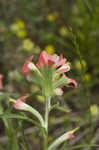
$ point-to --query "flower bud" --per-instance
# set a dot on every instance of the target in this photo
(61, 139)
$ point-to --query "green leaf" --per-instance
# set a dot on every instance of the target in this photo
(63, 109)
(26, 145)
(82, 146)
(11, 133)
(23, 146)
(16, 116)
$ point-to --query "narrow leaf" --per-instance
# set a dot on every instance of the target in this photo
(63, 109)
(16, 116)
(82, 146)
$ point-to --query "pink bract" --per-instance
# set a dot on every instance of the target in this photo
(1, 84)
(25, 70)
(63, 68)
(58, 62)
(18, 104)
(47, 59)
(44, 59)
(73, 83)
(61, 61)
(20, 101)
(70, 135)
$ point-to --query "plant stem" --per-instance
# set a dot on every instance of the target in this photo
(47, 109)
(45, 142)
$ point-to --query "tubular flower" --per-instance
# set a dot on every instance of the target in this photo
(71, 83)
(1, 84)
(19, 103)
(61, 61)
(25, 69)
(64, 68)
(68, 135)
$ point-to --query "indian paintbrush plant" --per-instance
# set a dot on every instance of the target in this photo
(50, 74)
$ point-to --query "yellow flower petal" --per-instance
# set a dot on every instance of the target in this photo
(40, 98)
(21, 33)
(94, 110)
(50, 49)
(63, 31)
(20, 24)
(14, 27)
(51, 17)
(27, 44)
(79, 65)
(87, 77)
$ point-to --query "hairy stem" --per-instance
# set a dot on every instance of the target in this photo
(47, 109)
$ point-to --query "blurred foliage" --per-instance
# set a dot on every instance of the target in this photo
(65, 27)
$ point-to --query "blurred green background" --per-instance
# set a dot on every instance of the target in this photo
(67, 27)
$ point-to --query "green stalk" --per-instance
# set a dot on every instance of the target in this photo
(47, 109)
(11, 134)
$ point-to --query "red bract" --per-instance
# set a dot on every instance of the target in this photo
(61, 61)
(58, 63)
(1, 84)
(47, 59)
(25, 70)
(44, 59)
(71, 83)
(63, 68)
(70, 135)
(20, 101)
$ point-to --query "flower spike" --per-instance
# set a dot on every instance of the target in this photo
(47, 69)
